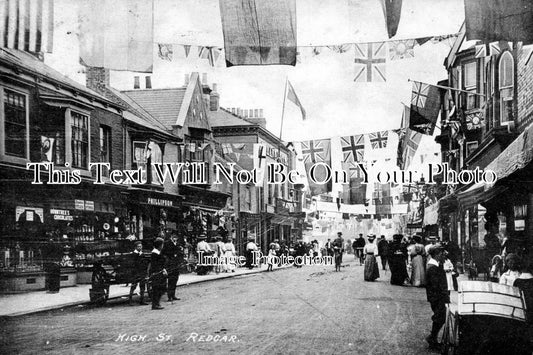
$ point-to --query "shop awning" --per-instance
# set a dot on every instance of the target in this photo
(515, 157)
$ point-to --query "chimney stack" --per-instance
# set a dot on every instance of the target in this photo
(255, 116)
(97, 79)
(214, 99)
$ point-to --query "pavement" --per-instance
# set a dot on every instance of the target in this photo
(39, 301)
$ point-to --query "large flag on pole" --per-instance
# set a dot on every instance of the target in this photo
(499, 20)
(425, 107)
(27, 25)
(291, 95)
(117, 35)
(258, 32)
(317, 151)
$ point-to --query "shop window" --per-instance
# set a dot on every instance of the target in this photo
(15, 124)
(105, 144)
(80, 139)
(506, 87)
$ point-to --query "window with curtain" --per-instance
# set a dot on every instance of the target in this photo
(80, 139)
(470, 84)
(506, 87)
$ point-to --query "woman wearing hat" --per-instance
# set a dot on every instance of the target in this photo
(250, 248)
(397, 261)
(371, 266)
(229, 253)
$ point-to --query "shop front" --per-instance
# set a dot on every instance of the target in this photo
(48, 227)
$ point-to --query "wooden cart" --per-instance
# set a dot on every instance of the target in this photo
(115, 269)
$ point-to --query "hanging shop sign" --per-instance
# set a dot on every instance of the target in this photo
(61, 215)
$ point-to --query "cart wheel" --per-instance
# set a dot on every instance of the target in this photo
(99, 293)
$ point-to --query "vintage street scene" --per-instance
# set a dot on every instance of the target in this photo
(266, 176)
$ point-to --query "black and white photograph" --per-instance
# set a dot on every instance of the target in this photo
(266, 177)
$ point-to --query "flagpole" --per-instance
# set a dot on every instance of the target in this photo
(447, 88)
(283, 110)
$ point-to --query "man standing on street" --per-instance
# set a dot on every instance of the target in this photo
(437, 292)
(173, 251)
(158, 273)
(383, 251)
(338, 247)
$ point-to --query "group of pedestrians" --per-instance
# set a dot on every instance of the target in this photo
(161, 270)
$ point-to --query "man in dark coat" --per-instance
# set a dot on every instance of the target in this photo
(139, 272)
(383, 251)
(338, 247)
(437, 292)
(173, 251)
(358, 246)
(158, 273)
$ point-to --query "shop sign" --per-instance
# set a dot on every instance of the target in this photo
(61, 215)
(84, 205)
(276, 155)
(89, 205)
(159, 202)
(30, 214)
(519, 225)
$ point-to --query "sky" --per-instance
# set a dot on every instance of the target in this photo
(335, 104)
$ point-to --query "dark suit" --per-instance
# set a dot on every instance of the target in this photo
(438, 296)
(174, 255)
(139, 275)
(157, 277)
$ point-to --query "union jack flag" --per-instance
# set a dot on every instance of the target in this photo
(378, 140)
(370, 62)
(315, 151)
(353, 148)
(412, 140)
(420, 94)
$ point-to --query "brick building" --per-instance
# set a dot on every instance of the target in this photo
(487, 126)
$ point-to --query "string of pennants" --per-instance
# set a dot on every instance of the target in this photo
(369, 58)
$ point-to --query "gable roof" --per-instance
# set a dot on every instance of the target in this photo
(162, 104)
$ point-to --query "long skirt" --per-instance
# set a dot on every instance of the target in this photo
(418, 273)
(371, 268)
(398, 269)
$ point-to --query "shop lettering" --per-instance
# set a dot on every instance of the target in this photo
(452, 177)
(159, 202)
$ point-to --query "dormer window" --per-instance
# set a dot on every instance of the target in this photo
(506, 87)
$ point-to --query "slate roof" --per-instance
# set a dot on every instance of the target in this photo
(33, 65)
(224, 118)
(162, 104)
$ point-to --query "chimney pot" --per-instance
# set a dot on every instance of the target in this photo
(261, 113)
(214, 99)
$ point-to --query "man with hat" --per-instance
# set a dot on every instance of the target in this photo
(158, 273)
(338, 249)
(358, 246)
(432, 241)
(139, 273)
(173, 251)
(437, 292)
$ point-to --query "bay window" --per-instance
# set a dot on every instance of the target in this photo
(506, 87)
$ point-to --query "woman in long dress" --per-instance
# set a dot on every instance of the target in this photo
(418, 269)
(229, 254)
(397, 261)
(371, 266)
